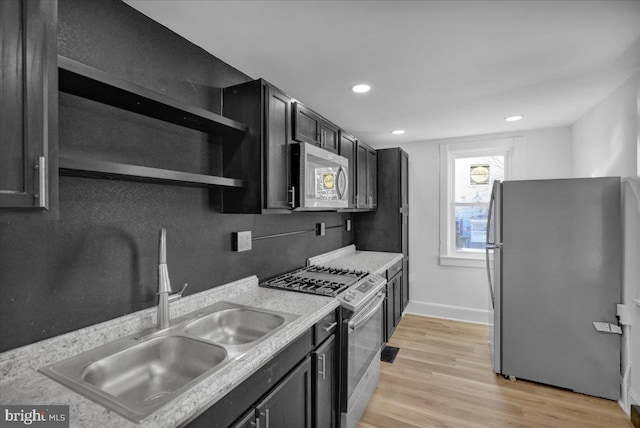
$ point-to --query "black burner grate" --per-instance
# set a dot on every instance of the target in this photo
(316, 280)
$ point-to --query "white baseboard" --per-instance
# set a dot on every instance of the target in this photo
(456, 313)
(633, 398)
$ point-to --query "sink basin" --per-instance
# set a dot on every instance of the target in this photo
(153, 369)
(234, 326)
(136, 375)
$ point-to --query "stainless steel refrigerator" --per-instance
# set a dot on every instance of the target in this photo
(554, 263)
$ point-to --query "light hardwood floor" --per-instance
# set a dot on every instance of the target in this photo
(443, 377)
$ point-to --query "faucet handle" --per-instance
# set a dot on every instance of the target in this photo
(178, 294)
(184, 287)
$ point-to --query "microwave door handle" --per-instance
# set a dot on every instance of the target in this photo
(343, 190)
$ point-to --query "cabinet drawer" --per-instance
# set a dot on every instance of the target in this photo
(393, 270)
(325, 328)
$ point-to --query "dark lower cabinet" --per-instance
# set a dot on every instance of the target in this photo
(394, 305)
(405, 284)
(389, 313)
(248, 421)
(395, 302)
(298, 388)
(288, 405)
(324, 384)
(397, 298)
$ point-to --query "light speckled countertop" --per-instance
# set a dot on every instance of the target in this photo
(350, 258)
(20, 383)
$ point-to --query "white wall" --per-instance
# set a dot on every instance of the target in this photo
(462, 292)
(606, 142)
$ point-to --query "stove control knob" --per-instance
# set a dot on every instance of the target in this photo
(349, 295)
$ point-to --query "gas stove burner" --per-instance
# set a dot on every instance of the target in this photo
(320, 280)
(336, 271)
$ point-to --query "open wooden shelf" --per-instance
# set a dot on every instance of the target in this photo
(87, 82)
(118, 171)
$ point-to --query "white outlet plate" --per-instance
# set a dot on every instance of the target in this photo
(242, 241)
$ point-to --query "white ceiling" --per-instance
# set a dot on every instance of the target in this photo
(438, 68)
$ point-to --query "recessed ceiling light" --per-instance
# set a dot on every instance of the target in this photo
(361, 88)
(398, 132)
(513, 118)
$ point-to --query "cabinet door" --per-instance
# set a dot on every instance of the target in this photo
(348, 150)
(28, 103)
(372, 179)
(397, 298)
(405, 283)
(329, 136)
(361, 176)
(404, 208)
(248, 421)
(324, 402)
(306, 125)
(278, 138)
(289, 404)
(390, 308)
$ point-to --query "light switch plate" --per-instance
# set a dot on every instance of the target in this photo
(242, 241)
(348, 225)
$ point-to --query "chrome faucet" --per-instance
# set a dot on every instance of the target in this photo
(165, 294)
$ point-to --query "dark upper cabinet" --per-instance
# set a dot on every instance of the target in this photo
(366, 181)
(262, 159)
(372, 181)
(348, 150)
(329, 136)
(28, 105)
(310, 127)
(361, 176)
(387, 229)
(306, 125)
(324, 384)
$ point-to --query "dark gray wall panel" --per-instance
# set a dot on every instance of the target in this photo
(98, 261)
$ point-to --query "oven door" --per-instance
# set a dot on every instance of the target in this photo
(364, 341)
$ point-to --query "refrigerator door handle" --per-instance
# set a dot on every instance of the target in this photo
(489, 245)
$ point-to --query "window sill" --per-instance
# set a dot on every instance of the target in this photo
(478, 263)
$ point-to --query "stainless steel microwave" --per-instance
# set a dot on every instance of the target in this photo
(319, 178)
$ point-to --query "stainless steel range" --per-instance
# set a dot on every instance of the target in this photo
(361, 295)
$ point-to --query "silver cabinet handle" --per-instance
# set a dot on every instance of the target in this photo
(292, 191)
(266, 417)
(256, 423)
(41, 196)
(322, 357)
(327, 328)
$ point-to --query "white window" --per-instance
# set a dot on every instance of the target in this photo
(467, 173)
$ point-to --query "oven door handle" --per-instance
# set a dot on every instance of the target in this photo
(356, 323)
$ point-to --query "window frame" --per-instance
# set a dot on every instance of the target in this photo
(449, 152)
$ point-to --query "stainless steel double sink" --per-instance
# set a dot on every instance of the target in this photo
(136, 375)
